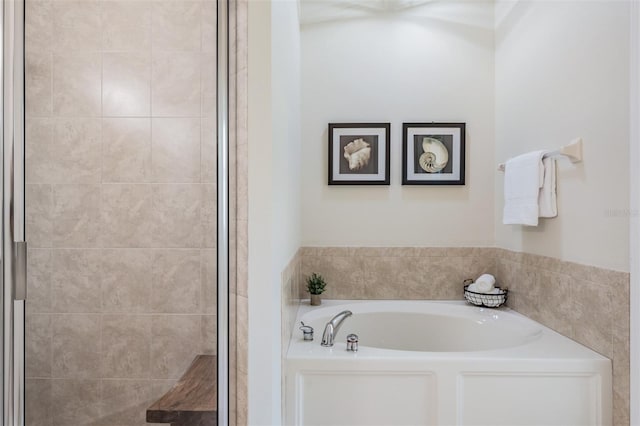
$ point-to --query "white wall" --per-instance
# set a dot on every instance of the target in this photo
(433, 63)
(274, 191)
(562, 71)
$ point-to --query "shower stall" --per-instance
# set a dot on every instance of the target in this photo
(115, 205)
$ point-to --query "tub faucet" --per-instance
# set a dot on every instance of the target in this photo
(331, 329)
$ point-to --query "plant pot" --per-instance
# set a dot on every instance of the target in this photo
(315, 300)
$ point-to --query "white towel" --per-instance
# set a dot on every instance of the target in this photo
(485, 283)
(523, 178)
(547, 202)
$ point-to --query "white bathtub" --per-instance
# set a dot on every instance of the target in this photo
(442, 363)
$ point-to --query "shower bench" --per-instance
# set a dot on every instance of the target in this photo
(192, 401)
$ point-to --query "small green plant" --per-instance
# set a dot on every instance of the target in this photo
(316, 284)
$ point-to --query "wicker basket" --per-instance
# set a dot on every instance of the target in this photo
(484, 299)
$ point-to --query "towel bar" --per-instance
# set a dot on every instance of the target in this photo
(573, 151)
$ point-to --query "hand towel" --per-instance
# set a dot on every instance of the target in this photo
(523, 178)
(547, 202)
(473, 288)
(485, 283)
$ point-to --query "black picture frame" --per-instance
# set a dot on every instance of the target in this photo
(367, 146)
(420, 167)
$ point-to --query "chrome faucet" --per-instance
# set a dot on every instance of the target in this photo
(331, 329)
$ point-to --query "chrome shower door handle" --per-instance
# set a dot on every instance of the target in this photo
(20, 280)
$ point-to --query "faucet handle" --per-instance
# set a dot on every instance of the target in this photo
(307, 331)
(352, 343)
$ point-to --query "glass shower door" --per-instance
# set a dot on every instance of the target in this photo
(120, 189)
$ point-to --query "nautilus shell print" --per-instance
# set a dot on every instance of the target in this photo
(435, 157)
(357, 153)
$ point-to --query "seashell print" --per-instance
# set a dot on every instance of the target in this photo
(357, 153)
(435, 157)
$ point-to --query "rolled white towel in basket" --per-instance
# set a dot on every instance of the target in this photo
(485, 283)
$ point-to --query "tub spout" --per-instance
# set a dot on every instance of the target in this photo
(332, 327)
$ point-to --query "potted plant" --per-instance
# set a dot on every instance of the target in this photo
(315, 287)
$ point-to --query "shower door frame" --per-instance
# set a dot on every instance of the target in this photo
(634, 216)
(14, 249)
(222, 191)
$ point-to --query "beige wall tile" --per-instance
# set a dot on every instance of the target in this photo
(177, 210)
(209, 217)
(176, 25)
(176, 281)
(74, 155)
(39, 204)
(209, 280)
(176, 150)
(126, 25)
(209, 334)
(126, 346)
(38, 27)
(38, 400)
(126, 215)
(208, 76)
(75, 280)
(126, 84)
(77, 84)
(388, 277)
(38, 281)
(521, 281)
(209, 19)
(555, 301)
(38, 83)
(367, 251)
(38, 345)
(126, 280)
(242, 250)
(175, 84)
(76, 213)
(77, 26)
(175, 341)
(242, 344)
(242, 189)
(592, 301)
(345, 276)
(444, 276)
(208, 150)
(124, 402)
(75, 346)
(39, 139)
(126, 150)
(621, 381)
(75, 402)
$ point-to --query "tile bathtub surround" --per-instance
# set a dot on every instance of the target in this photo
(121, 204)
(395, 272)
(586, 303)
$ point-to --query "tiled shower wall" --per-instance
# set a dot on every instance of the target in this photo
(121, 203)
(585, 303)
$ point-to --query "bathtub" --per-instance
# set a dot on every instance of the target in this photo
(441, 363)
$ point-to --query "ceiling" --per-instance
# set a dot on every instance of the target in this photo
(461, 11)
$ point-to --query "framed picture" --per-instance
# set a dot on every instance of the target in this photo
(359, 153)
(433, 153)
